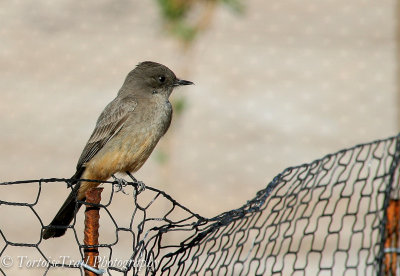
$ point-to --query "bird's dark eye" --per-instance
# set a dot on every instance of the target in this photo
(161, 79)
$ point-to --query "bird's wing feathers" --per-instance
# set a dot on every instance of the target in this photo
(109, 123)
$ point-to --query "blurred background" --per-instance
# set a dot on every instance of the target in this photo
(278, 83)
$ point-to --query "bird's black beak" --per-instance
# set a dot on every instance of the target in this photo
(179, 82)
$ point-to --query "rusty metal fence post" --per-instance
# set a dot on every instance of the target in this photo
(91, 232)
(392, 237)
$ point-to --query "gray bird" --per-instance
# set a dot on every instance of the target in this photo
(126, 133)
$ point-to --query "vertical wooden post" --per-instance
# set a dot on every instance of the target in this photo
(91, 235)
(392, 237)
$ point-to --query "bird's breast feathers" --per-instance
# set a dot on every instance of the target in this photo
(132, 145)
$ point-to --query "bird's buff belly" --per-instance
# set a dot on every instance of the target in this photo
(128, 154)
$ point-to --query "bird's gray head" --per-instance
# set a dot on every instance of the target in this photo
(151, 78)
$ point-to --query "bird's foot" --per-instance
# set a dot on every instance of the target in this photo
(140, 185)
(121, 183)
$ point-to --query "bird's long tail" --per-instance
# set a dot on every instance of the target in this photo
(65, 215)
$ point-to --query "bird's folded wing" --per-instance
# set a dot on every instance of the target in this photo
(109, 123)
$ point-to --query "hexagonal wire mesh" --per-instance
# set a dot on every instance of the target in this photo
(328, 217)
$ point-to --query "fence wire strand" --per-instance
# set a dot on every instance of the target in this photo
(323, 218)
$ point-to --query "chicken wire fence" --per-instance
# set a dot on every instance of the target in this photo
(329, 217)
